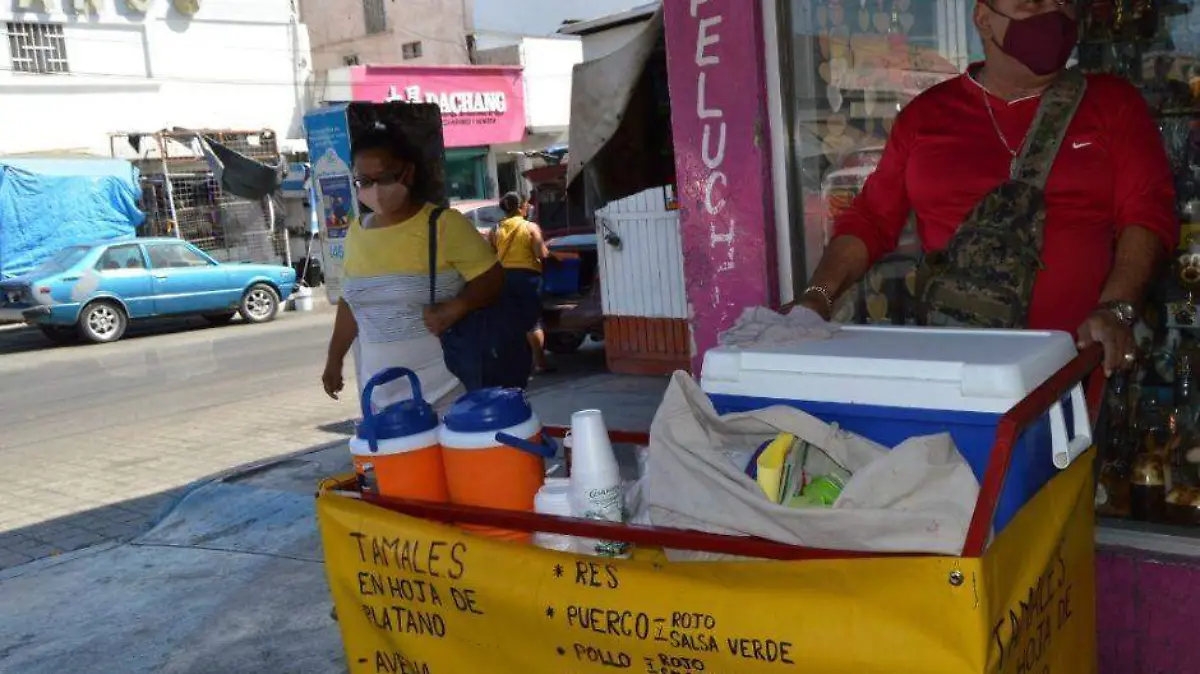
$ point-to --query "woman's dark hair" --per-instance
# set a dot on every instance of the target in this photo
(511, 203)
(384, 139)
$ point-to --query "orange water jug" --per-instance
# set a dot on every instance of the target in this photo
(494, 451)
(396, 450)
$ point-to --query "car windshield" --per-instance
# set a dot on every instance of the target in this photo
(61, 261)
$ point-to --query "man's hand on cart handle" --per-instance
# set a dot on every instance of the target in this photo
(1105, 327)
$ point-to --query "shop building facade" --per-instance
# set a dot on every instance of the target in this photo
(779, 112)
(415, 32)
(492, 114)
(72, 74)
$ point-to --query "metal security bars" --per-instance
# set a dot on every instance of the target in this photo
(182, 197)
(37, 47)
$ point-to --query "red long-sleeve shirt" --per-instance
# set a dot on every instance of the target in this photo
(944, 155)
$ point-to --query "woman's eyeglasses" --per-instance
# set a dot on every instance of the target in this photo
(362, 182)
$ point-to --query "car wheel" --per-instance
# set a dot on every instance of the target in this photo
(260, 304)
(59, 335)
(220, 319)
(102, 322)
(563, 343)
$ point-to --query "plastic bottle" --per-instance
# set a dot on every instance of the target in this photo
(554, 499)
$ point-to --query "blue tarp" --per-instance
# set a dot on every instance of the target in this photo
(48, 205)
(75, 167)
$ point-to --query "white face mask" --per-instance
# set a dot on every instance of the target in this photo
(384, 198)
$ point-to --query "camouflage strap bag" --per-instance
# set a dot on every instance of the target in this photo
(984, 278)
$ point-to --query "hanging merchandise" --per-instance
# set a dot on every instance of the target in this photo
(1151, 461)
(141, 6)
(238, 174)
(188, 7)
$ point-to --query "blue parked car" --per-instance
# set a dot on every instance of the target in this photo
(93, 291)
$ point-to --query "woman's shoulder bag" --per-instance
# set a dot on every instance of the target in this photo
(488, 347)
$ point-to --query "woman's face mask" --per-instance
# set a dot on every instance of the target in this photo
(1042, 42)
(382, 198)
(383, 191)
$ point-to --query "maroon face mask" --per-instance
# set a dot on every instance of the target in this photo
(1042, 42)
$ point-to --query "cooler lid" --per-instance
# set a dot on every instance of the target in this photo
(917, 368)
(399, 420)
(489, 410)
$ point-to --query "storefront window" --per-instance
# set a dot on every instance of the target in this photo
(1151, 457)
(854, 65)
(466, 174)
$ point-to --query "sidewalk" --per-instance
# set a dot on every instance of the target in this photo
(231, 579)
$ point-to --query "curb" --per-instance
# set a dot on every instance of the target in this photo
(238, 471)
(164, 512)
(35, 565)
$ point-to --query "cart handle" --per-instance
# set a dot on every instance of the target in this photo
(640, 535)
(1011, 425)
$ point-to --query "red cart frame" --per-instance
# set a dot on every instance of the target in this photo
(1008, 430)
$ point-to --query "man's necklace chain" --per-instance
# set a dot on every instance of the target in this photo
(987, 103)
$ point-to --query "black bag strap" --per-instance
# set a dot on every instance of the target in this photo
(433, 250)
(1055, 112)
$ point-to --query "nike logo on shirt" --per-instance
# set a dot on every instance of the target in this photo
(1079, 146)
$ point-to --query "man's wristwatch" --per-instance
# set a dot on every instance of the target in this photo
(1124, 311)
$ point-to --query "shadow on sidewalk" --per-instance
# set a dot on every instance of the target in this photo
(229, 580)
(116, 522)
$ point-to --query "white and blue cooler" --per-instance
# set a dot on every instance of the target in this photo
(889, 384)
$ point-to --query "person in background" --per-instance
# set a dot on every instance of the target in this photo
(521, 250)
(384, 311)
(533, 208)
(1109, 200)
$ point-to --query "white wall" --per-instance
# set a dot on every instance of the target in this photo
(546, 65)
(234, 64)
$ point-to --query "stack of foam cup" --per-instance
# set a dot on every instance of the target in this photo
(595, 479)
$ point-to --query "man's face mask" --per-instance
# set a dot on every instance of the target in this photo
(1042, 43)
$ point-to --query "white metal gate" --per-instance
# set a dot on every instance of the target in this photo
(644, 276)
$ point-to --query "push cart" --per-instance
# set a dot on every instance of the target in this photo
(416, 594)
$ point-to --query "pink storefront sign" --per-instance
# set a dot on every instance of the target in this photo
(481, 105)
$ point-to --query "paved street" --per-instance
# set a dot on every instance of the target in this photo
(96, 440)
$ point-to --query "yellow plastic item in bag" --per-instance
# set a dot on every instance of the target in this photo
(771, 465)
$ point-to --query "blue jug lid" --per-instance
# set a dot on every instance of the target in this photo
(399, 420)
(489, 409)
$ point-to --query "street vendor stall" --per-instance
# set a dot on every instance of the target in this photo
(803, 92)
(1002, 592)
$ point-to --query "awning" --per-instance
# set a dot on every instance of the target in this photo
(601, 91)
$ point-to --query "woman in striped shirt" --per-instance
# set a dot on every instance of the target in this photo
(384, 312)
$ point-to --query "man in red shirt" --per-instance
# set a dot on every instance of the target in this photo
(1110, 204)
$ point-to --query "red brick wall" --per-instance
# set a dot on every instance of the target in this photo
(646, 346)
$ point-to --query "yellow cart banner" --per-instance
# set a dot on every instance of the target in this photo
(415, 597)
